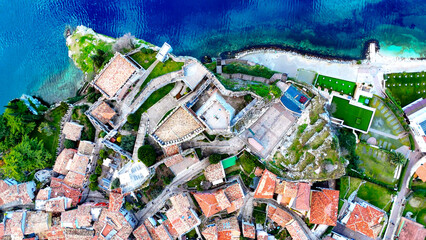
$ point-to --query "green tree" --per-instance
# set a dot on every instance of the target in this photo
(397, 158)
(24, 158)
(93, 178)
(147, 155)
(93, 186)
(215, 158)
(69, 144)
(128, 142)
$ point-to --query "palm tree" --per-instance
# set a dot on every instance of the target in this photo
(397, 158)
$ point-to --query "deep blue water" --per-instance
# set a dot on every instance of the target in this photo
(33, 55)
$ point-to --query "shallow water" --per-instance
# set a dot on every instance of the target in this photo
(33, 55)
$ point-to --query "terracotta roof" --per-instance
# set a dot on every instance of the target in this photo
(214, 172)
(72, 131)
(279, 216)
(230, 198)
(228, 229)
(78, 234)
(266, 186)
(78, 164)
(210, 232)
(180, 124)
(77, 218)
(59, 188)
(279, 186)
(103, 112)
(120, 225)
(365, 220)
(324, 207)
(115, 201)
(75, 179)
(141, 233)
(410, 230)
(208, 203)
(14, 225)
(303, 196)
(162, 233)
(55, 232)
(249, 231)
(421, 172)
(171, 229)
(258, 172)
(15, 193)
(180, 202)
(181, 218)
(290, 190)
(62, 161)
(171, 150)
(43, 194)
(86, 147)
(115, 75)
(57, 204)
(296, 231)
(261, 235)
(37, 222)
(170, 161)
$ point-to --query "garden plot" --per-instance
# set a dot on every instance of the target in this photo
(406, 87)
(416, 207)
(375, 164)
(385, 130)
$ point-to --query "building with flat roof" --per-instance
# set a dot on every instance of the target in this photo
(216, 113)
(162, 54)
(193, 74)
(114, 75)
(351, 114)
(181, 125)
(294, 100)
(416, 113)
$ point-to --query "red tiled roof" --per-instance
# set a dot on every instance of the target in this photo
(279, 216)
(210, 233)
(14, 226)
(59, 188)
(120, 224)
(409, 230)
(62, 161)
(78, 164)
(214, 172)
(208, 203)
(141, 233)
(261, 235)
(296, 231)
(228, 229)
(266, 186)
(43, 194)
(324, 207)
(55, 205)
(14, 193)
(80, 217)
(36, 222)
(258, 172)
(249, 230)
(421, 172)
(115, 201)
(171, 229)
(74, 179)
(162, 233)
(222, 199)
(290, 190)
(175, 159)
(1, 230)
(171, 150)
(72, 131)
(104, 113)
(303, 195)
(365, 220)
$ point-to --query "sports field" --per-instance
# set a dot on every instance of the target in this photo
(352, 116)
(406, 87)
(335, 84)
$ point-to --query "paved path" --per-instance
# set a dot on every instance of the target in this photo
(388, 134)
(157, 112)
(399, 201)
(140, 138)
(171, 189)
(232, 146)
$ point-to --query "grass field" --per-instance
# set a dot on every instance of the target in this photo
(376, 164)
(376, 195)
(54, 120)
(161, 69)
(335, 84)
(256, 70)
(406, 87)
(145, 58)
(416, 204)
(353, 116)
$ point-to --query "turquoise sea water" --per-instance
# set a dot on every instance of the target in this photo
(33, 55)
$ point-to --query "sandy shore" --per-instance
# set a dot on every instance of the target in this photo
(289, 62)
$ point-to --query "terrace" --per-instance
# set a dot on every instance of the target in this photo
(335, 84)
(406, 87)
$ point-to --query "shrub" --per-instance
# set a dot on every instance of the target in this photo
(93, 178)
(215, 158)
(98, 170)
(147, 155)
(128, 142)
(93, 186)
(69, 144)
(302, 128)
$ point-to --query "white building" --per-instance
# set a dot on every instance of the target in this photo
(416, 113)
(162, 54)
(132, 176)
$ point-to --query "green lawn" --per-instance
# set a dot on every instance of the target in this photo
(376, 195)
(152, 99)
(256, 70)
(53, 119)
(145, 57)
(196, 181)
(161, 69)
(259, 213)
(335, 84)
(416, 204)
(376, 164)
(353, 116)
(406, 87)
